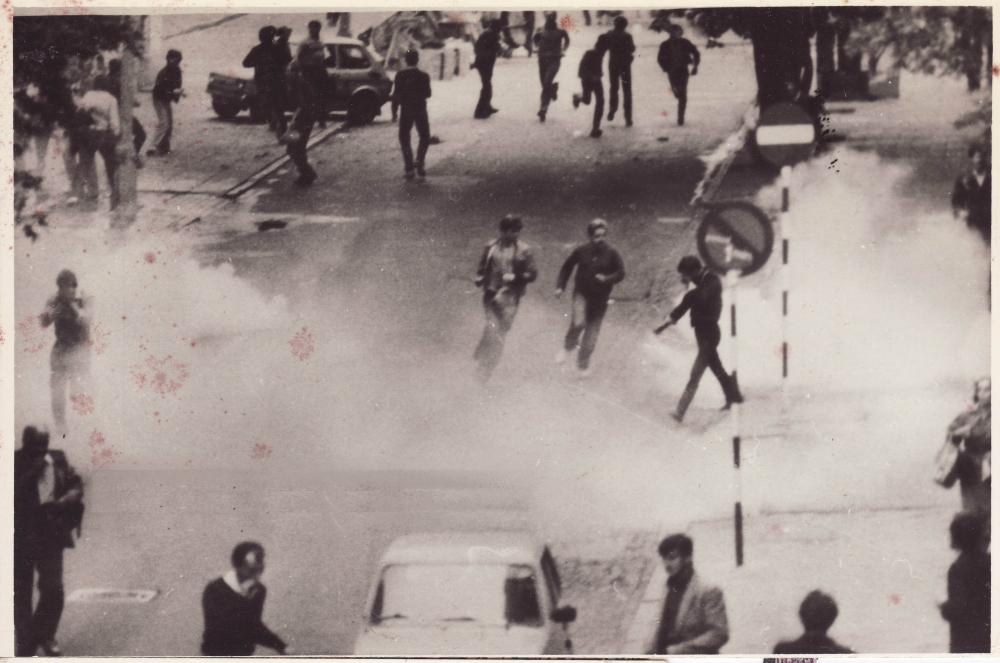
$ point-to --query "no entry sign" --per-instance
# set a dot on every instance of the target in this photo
(785, 134)
(735, 236)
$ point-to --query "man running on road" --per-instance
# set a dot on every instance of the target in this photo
(552, 42)
(674, 57)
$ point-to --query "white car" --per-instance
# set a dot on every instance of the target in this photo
(466, 594)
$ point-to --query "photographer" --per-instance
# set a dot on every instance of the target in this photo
(70, 358)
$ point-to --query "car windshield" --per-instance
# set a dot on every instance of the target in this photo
(496, 594)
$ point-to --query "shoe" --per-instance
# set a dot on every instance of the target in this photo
(576, 101)
(611, 116)
(562, 356)
(583, 373)
(51, 648)
(676, 417)
(628, 123)
(305, 180)
(421, 173)
(408, 174)
(482, 116)
(596, 133)
(494, 110)
(555, 91)
(541, 116)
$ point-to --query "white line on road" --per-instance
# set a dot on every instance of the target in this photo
(673, 220)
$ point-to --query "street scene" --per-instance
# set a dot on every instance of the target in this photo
(630, 332)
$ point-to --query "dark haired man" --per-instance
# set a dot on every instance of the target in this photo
(971, 197)
(704, 302)
(410, 92)
(620, 53)
(311, 57)
(591, 84)
(817, 614)
(263, 58)
(233, 606)
(967, 609)
(694, 612)
(487, 49)
(167, 90)
(70, 357)
(506, 267)
(676, 54)
(551, 41)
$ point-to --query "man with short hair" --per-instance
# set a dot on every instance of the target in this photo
(487, 49)
(817, 614)
(620, 53)
(100, 137)
(167, 90)
(971, 198)
(48, 506)
(410, 92)
(233, 606)
(296, 140)
(551, 42)
(70, 357)
(967, 609)
(506, 267)
(590, 81)
(263, 59)
(694, 619)
(598, 268)
(311, 57)
(676, 54)
(704, 302)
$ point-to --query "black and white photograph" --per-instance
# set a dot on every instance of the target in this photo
(646, 331)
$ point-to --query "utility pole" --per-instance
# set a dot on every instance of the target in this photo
(126, 174)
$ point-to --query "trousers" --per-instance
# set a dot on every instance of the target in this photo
(500, 310)
(407, 120)
(708, 339)
(587, 316)
(548, 68)
(620, 75)
(35, 624)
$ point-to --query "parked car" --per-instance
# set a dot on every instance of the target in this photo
(358, 85)
(475, 594)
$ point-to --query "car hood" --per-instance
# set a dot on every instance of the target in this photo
(450, 640)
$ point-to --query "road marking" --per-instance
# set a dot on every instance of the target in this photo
(673, 220)
(105, 595)
(785, 134)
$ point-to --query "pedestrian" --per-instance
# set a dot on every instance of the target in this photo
(704, 302)
(552, 42)
(410, 92)
(312, 59)
(529, 31)
(968, 444)
(967, 609)
(100, 137)
(48, 507)
(70, 358)
(971, 197)
(508, 40)
(675, 56)
(693, 620)
(592, 85)
(817, 614)
(586, 17)
(598, 268)
(506, 267)
(167, 90)
(115, 87)
(233, 605)
(263, 59)
(296, 139)
(486, 49)
(621, 48)
(282, 58)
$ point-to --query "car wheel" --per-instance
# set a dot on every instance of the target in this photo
(362, 109)
(226, 110)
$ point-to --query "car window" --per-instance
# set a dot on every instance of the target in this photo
(331, 56)
(521, 597)
(352, 57)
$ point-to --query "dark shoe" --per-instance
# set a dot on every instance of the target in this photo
(481, 116)
(494, 110)
(305, 180)
(611, 116)
(576, 101)
(676, 417)
(596, 133)
(628, 123)
(408, 174)
(421, 173)
(51, 648)
(541, 116)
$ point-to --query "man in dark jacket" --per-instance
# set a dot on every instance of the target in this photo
(70, 357)
(675, 56)
(705, 304)
(590, 80)
(506, 267)
(166, 91)
(487, 48)
(967, 609)
(598, 268)
(263, 58)
(233, 606)
(817, 613)
(551, 41)
(296, 139)
(972, 197)
(410, 92)
(48, 506)
(620, 53)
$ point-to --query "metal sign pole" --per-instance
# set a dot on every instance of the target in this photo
(786, 233)
(732, 279)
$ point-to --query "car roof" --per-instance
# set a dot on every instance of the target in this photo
(330, 41)
(488, 547)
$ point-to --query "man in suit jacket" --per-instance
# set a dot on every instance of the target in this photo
(48, 506)
(694, 612)
(971, 197)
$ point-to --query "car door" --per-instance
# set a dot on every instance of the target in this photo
(559, 642)
(353, 66)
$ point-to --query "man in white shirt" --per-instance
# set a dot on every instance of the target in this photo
(101, 136)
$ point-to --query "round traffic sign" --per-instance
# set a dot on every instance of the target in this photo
(735, 236)
(785, 134)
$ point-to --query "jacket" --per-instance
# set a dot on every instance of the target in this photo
(975, 201)
(702, 626)
(812, 643)
(590, 260)
(168, 84)
(487, 48)
(675, 55)
(49, 524)
(621, 47)
(590, 64)
(704, 302)
(233, 623)
(968, 605)
(411, 90)
(264, 58)
(525, 271)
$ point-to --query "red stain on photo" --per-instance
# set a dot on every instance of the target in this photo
(567, 23)
(261, 451)
(82, 404)
(996, 70)
(164, 376)
(302, 344)
(31, 334)
(777, 528)
(102, 454)
(150, 257)
(895, 599)
(98, 339)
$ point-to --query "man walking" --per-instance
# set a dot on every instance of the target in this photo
(312, 60)
(971, 197)
(410, 92)
(100, 137)
(590, 80)
(297, 138)
(621, 48)
(233, 606)
(598, 268)
(705, 304)
(167, 90)
(506, 267)
(694, 619)
(529, 31)
(70, 358)
(552, 42)
(675, 56)
(263, 59)
(487, 48)
(48, 506)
